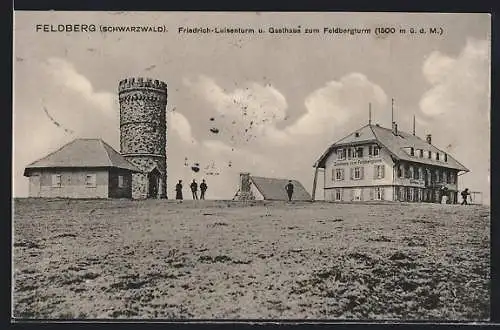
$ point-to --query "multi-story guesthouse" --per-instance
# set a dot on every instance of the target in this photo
(377, 163)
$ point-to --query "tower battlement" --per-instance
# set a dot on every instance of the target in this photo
(141, 83)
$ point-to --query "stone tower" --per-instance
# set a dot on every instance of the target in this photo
(143, 134)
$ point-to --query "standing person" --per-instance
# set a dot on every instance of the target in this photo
(194, 189)
(465, 193)
(203, 188)
(289, 190)
(178, 190)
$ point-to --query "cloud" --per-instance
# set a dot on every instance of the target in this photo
(244, 114)
(457, 109)
(180, 125)
(336, 103)
(65, 74)
(455, 80)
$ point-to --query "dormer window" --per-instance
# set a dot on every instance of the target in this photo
(359, 152)
(376, 150)
(437, 155)
(429, 154)
(421, 153)
(445, 157)
(412, 151)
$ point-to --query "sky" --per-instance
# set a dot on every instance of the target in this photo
(277, 100)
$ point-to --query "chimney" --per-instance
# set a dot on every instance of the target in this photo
(394, 128)
(245, 182)
(428, 138)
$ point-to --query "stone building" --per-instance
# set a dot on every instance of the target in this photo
(143, 134)
(83, 168)
(138, 172)
(377, 163)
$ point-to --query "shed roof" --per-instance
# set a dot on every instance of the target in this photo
(274, 189)
(395, 144)
(83, 153)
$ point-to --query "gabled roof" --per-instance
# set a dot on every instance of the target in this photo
(83, 153)
(274, 189)
(395, 144)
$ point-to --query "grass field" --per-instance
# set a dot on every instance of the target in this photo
(215, 259)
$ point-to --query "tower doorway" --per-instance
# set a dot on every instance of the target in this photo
(154, 183)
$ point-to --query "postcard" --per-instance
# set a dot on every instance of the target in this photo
(251, 166)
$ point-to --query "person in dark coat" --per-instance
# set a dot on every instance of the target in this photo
(203, 188)
(465, 193)
(194, 189)
(178, 190)
(289, 190)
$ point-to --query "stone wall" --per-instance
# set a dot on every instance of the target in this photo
(140, 182)
(143, 131)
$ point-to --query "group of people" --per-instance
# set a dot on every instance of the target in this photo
(194, 189)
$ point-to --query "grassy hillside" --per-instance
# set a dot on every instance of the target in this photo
(160, 259)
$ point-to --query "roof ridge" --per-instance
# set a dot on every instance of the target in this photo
(109, 148)
(53, 152)
(104, 146)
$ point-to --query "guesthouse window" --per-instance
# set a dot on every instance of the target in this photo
(338, 194)
(56, 180)
(339, 174)
(90, 180)
(340, 154)
(379, 171)
(416, 173)
(358, 173)
(359, 152)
